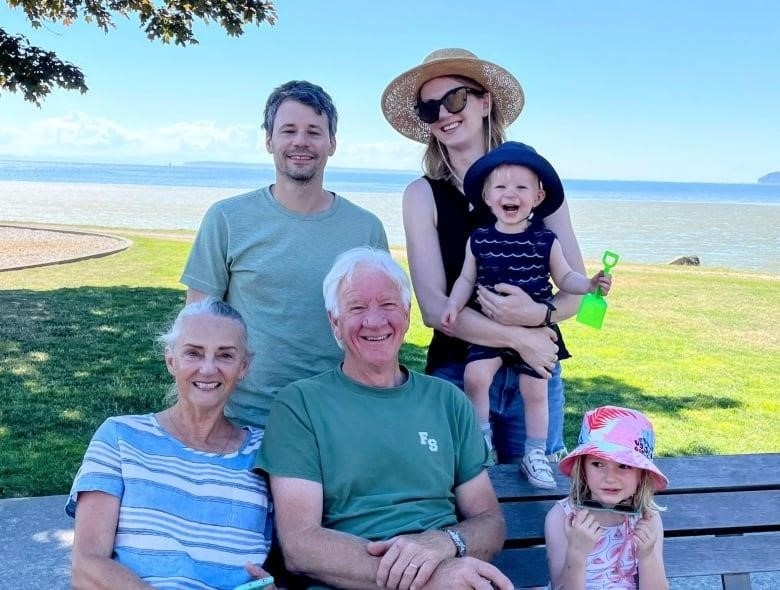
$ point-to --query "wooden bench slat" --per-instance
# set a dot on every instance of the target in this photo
(704, 556)
(683, 557)
(714, 472)
(736, 582)
(699, 513)
(721, 471)
(704, 512)
(525, 567)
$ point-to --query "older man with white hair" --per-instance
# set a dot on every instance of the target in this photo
(372, 464)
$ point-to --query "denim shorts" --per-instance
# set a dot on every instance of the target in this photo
(506, 410)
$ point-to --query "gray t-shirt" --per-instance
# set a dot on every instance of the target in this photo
(269, 262)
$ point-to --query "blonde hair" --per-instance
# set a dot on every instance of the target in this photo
(643, 499)
(436, 162)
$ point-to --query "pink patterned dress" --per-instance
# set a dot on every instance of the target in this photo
(612, 565)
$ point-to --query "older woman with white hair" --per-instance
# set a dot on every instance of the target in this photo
(168, 500)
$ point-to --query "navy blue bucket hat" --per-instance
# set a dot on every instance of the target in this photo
(520, 154)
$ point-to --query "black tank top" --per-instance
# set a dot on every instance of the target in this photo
(455, 222)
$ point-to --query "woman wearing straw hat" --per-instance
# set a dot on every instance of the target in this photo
(459, 106)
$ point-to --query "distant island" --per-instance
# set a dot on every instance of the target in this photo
(771, 178)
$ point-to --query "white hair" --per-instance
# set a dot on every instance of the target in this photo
(347, 263)
(209, 306)
(206, 306)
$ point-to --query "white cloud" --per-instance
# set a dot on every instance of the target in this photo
(384, 155)
(78, 136)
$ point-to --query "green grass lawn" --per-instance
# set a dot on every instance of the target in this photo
(695, 349)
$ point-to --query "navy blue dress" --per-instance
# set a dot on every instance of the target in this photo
(522, 260)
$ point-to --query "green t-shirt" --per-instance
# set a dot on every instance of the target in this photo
(388, 459)
(269, 262)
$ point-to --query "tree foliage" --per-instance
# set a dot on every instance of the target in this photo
(35, 71)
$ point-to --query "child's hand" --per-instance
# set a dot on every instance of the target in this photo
(448, 320)
(601, 280)
(582, 531)
(645, 535)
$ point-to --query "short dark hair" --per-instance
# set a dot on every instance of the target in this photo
(306, 93)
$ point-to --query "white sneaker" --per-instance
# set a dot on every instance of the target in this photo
(537, 468)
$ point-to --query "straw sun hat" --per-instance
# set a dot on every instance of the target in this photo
(400, 96)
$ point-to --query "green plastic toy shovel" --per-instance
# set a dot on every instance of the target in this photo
(594, 307)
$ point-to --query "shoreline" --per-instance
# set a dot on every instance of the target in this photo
(742, 237)
(65, 244)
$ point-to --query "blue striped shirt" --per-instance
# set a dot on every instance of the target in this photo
(188, 519)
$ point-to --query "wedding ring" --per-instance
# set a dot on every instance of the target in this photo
(412, 565)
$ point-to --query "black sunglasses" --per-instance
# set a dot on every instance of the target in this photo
(599, 507)
(454, 101)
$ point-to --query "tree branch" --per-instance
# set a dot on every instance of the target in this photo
(35, 71)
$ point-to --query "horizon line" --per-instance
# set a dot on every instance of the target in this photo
(268, 165)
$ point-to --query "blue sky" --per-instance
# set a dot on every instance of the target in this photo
(615, 89)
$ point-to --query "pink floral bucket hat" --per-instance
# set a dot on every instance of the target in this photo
(617, 434)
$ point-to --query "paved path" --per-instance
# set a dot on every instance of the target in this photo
(36, 538)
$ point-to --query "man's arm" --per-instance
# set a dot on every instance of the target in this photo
(482, 528)
(333, 557)
(206, 270)
(483, 522)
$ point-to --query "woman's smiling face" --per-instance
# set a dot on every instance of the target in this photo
(456, 128)
(207, 359)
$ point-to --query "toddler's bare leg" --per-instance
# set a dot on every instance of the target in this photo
(477, 378)
(534, 392)
(535, 464)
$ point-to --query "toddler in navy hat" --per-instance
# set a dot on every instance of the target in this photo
(513, 180)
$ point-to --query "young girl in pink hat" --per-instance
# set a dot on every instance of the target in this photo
(608, 532)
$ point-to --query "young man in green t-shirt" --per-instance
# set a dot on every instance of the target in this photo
(267, 251)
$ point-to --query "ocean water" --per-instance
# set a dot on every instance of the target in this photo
(726, 225)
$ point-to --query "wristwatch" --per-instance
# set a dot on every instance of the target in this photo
(458, 540)
(548, 316)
